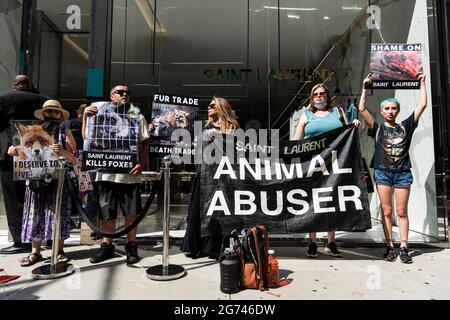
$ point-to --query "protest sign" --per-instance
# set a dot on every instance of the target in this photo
(112, 138)
(395, 65)
(36, 159)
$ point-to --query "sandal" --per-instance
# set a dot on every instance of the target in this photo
(31, 259)
(62, 257)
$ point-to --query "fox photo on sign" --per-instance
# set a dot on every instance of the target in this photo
(112, 135)
(395, 65)
(169, 113)
(35, 159)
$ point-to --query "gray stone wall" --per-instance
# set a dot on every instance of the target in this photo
(10, 27)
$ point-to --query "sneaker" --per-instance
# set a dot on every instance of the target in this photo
(131, 249)
(312, 250)
(390, 254)
(404, 256)
(106, 252)
(332, 250)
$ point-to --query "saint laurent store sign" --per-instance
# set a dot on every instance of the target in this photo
(287, 75)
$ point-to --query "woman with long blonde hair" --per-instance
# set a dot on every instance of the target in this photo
(221, 116)
(220, 119)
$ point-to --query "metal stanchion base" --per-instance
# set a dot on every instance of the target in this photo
(44, 272)
(174, 272)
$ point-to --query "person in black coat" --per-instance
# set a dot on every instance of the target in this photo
(18, 104)
(220, 119)
(75, 126)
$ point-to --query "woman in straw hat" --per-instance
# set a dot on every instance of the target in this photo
(40, 195)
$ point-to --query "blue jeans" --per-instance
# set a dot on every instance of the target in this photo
(394, 179)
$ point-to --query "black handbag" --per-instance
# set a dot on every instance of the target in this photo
(41, 186)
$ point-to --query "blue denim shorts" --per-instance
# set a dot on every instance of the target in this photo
(393, 179)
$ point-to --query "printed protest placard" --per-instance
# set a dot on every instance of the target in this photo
(169, 113)
(395, 65)
(36, 159)
(112, 138)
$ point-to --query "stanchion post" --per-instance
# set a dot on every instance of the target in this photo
(166, 271)
(56, 269)
(166, 219)
(57, 223)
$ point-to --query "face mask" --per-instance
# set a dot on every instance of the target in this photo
(50, 119)
(321, 106)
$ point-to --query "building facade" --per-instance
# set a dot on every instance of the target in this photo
(262, 55)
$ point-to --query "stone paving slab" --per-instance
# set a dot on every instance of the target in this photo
(360, 275)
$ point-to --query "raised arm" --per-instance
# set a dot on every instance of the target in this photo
(300, 131)
(423, 97)
(70, 140)
(89, 111)
(362, 103)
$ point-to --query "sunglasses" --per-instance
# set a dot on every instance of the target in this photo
(122, 92)
(212, 106)
(316, 94)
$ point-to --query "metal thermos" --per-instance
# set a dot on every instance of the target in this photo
(229, 271)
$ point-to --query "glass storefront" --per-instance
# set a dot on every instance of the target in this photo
(263, 56)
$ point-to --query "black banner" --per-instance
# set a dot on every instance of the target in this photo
(315, 185)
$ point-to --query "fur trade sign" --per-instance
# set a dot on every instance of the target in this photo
(314, 185)
(112, 135)
(33, 141)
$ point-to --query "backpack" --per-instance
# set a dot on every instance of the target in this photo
(254, 257)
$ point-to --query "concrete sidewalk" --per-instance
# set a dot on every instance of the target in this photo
(360, 274)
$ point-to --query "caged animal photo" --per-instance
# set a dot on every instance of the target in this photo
(114, 128)
(168, 120)
(33, 143)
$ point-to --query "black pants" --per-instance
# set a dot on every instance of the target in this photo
(13, 195)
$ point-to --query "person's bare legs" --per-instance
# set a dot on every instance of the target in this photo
(131, 235)
(313, 237)
(33, 257)
(385, 194)
(331, 236)
(401, 208)
(36, 246)
(108, 226)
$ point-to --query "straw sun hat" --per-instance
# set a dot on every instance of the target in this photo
(52, 105)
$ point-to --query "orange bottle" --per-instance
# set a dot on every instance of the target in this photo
(273, 274)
